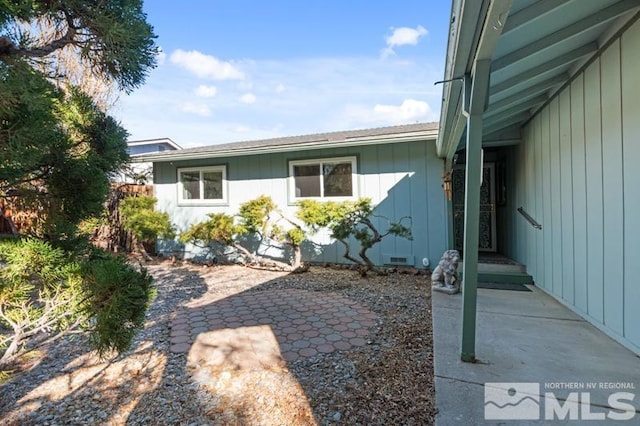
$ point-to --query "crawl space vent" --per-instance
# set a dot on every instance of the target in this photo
(397, 259)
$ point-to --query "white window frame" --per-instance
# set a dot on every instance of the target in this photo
(203, 201)
(354, 178)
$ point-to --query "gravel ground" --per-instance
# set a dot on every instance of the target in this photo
(387, 382)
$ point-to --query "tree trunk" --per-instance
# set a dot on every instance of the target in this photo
(247, 254)
(270, 263)
(368, 264)
(142, 251)
(363, 249)
(297, 257)
(298, 266)
(347, 253)
(14, 347)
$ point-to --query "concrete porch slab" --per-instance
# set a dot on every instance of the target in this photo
(527, 337)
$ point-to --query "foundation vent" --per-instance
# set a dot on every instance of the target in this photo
(398, 259)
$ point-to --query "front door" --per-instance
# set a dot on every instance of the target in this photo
(487, 237)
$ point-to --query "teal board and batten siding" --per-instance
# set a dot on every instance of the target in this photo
(402, 179)
(577, 172)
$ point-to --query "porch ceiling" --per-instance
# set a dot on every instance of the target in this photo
(543, 44)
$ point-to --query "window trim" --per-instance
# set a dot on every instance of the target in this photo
(202, 201)
(354, 178)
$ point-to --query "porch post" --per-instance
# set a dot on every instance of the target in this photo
(473, 58)
(471, 236)
(475, 96)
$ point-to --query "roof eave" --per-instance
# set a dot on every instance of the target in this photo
(167, 141)
(425, 135)
(465, 15)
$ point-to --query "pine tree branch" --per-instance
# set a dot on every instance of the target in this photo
(8, 48)
(4, 316)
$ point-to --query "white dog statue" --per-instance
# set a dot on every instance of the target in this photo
(445, 277)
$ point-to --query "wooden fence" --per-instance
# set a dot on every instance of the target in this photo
(6, 222)
(109, 235)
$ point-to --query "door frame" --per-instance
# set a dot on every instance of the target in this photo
(491, 166)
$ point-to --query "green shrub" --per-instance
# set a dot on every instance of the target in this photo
(117, 299)
(260, 217)
(139, 218)
(220, 229)
(351, 219)
(47, 291)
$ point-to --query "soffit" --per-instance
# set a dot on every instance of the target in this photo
(543, 45)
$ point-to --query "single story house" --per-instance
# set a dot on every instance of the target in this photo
(397, 167)
(535, 158)
(546, 96)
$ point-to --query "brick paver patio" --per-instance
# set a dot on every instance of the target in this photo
(268, 326)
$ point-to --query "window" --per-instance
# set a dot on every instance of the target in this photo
(205, 185)
(330, 178)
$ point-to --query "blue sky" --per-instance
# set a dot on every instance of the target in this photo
(244, 70)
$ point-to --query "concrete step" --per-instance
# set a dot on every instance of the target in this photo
(503, 277)
(500, 268)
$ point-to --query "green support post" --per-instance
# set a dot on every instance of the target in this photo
(471, 231)
(475, 100)
(476, 91)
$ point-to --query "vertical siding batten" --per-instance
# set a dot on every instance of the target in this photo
(538, 172)
(566, 190)
(419, 206)
(386, 208)
(401, 194)
(579, 195)
(530, 205)
(594, 193)
(630, 67)
(437, 236)
(521, 200)
(547, 229)
(612, 184)
(556, 216)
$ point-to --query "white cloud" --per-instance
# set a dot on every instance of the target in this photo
(248, 98)
(205, 66)
(321, 94)
(197, 109)
(280, 88)
(409, 111)
(206, 91)
(403, 36)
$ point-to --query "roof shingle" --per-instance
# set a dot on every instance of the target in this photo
(302, 140)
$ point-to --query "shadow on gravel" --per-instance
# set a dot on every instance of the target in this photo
(323, 347)
(224, 345)
(87, 390)
(320, 348)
